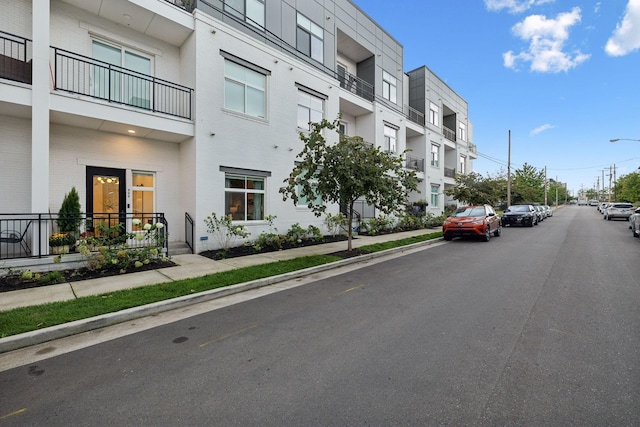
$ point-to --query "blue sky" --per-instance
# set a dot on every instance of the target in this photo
(562, 75)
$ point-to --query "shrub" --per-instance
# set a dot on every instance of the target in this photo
(69, 215)
(335, 223)
(223, 230)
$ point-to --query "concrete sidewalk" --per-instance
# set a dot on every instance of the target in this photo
(188, 266)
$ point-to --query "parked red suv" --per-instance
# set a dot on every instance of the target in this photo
(477, 221)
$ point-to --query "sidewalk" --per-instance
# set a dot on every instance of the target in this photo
(188, 266)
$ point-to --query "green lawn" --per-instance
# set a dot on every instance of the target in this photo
(31, 318)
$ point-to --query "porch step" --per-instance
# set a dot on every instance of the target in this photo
(178, 248)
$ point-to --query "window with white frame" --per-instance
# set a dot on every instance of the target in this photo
(435, 188)
(435, 155)
(250, 11)
(310, 38)
(463, 165)
(434, 114)
(462, 131)
(390, 138)
(245, 89)
(389, 87)
(244, 197)
(343, 128)
(310, 109)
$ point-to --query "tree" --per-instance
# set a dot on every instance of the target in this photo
(345, 172)
(69, 215)
(627, 188)
(528, 185)
(474, 189)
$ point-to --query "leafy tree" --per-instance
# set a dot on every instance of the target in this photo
(628, 188)
(345, 172)
(527, 185)
(474, 189)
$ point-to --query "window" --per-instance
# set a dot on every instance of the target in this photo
(244, 89)
(128, 82)
(310, 109)
(244, 197)
(250, 11)
(463, 165)
(342, 127)
(434, 195)
(310, 38)
(389, 87)
(462, 132)
(390, 138)
(303, 201)
(143, 204)
(434, 114)
(435, 155)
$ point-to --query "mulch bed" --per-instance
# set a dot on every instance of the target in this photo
(15, 282)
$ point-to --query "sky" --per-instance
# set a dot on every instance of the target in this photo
(561, 77)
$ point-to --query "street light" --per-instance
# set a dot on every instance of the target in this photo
(623, 139)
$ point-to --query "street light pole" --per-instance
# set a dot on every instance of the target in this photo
(623, 139)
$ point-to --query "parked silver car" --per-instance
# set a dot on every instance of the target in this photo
(618, 210)
(634, 222)
(548, 210)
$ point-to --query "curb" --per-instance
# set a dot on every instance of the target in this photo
(15, 342)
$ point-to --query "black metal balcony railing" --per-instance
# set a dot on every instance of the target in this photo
(449, 134)
(414, 115)
(15, 58)
(449, 172)
(415, 163)
(187, 5)
(82, 75)
(355, 84)
(26, 235)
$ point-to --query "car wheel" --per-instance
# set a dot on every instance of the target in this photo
(447, 237)
(635, 233)
(530, 223)
(608, 218)
(498, 231)
(487, 235)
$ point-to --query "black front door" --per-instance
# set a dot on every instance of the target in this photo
(106, 195)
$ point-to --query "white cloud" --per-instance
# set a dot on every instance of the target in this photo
(546, 39)
(513, 6)
(541, 129)
(626, 37)
(596, 8)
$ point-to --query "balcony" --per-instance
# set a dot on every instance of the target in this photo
(81, 75)
(355, 85)
(449, 134)
(414, 115)
(415, 163)
(449, 172)
(15, 58)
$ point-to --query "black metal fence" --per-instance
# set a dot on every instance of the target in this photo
(27, 235)
(82, 75)
(15, 57)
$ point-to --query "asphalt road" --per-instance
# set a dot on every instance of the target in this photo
(538, 327)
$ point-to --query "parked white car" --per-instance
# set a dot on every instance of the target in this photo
(618, 210)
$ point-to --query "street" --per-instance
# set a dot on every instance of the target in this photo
(537, 327)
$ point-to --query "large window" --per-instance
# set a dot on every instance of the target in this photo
(310, 38)
(435, 155)
(310, 109)
(463, 165)
(244, 89)
(303, 201)
(128, 82)
(244, 197)
(434, 195)
(250, 11)
(462, 131)
(389, 87)
(390, 139)
(434, 114)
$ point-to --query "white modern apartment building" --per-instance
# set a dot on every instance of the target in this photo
(181, 108)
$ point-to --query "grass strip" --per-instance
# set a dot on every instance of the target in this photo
(25, 319)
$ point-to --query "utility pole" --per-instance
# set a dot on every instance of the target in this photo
(545, 186)
(610, 175)
(556, 191)
(509, 172)
(615, 192)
